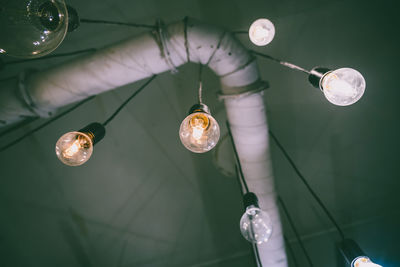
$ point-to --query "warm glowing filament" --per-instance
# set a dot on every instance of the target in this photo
(73, 149)
(199, 123)
(197, 132)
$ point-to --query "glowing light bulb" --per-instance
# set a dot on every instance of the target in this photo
(364, 262)
(261, 32)
(255, 224)
(75, 148)
(199, 131)
(32, 28)
(343, 86)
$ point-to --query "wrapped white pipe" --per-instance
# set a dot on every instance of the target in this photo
(41, 93)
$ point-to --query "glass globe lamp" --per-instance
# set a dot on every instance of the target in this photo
(261, 32)
(76, 148)
(364, 262)
(342, 87)
(32, 28)
(199, 131)
(255, 224)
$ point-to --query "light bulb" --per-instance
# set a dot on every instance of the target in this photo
(343, 86)
(364, 262)
(32, 28)
(255, 224)
(261, 32)
(199, 131)
(75, 148)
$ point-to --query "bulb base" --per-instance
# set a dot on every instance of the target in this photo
(95, 130)
(350, 251)
(199, 108)
(73, 19)
(250, 199)
(316, 75)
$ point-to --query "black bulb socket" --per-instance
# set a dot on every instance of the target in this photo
(96, 131)
(350, 250)
(250, 199)
(316, 75)
(199, 108)
(73, 19)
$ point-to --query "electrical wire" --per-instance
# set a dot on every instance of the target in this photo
(240, 32)
(16, 141)
(129, 99)
(291, 252)
(285, 210)
(52, 56)
(284, 63)
(18, 126)
(137, 25)
(300, 175)
(200, 84)
(237, 158)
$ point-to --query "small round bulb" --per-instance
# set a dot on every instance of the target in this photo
(343, 86)
(32, 28)
(364, 262)
(74, 148)
(256, 225)
(199, 132)
(261, 32)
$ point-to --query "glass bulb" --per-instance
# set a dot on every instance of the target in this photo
(32, 28)
(364, 262)
(256, 225)
(343, 86)
(74, 148)
(199, 132)
(261, 32)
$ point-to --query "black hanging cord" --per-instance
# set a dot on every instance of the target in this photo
(18, 126)
(16, 141)
(284, 63)
(291, 252)
(257, 255)
(237, 158)
(52, 56)
(200, 83)
(137, 25)
(240, 32)
(129, 99)
(300, 175)
(280, 201)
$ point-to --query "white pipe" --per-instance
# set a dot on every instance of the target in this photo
(136, 58)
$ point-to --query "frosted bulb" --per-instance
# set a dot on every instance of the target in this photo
(32, 28)
(343, 86)
(199, 132)
(261, 32)
(256, 225)
(74, 148)
(364, 262)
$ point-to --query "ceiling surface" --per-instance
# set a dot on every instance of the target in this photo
(144, 200)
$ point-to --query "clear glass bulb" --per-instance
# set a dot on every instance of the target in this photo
(74, 148)
(261, 32)
(32, 28)
(343, 86)
(364, 262)
(256, 225)
(199, 132)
